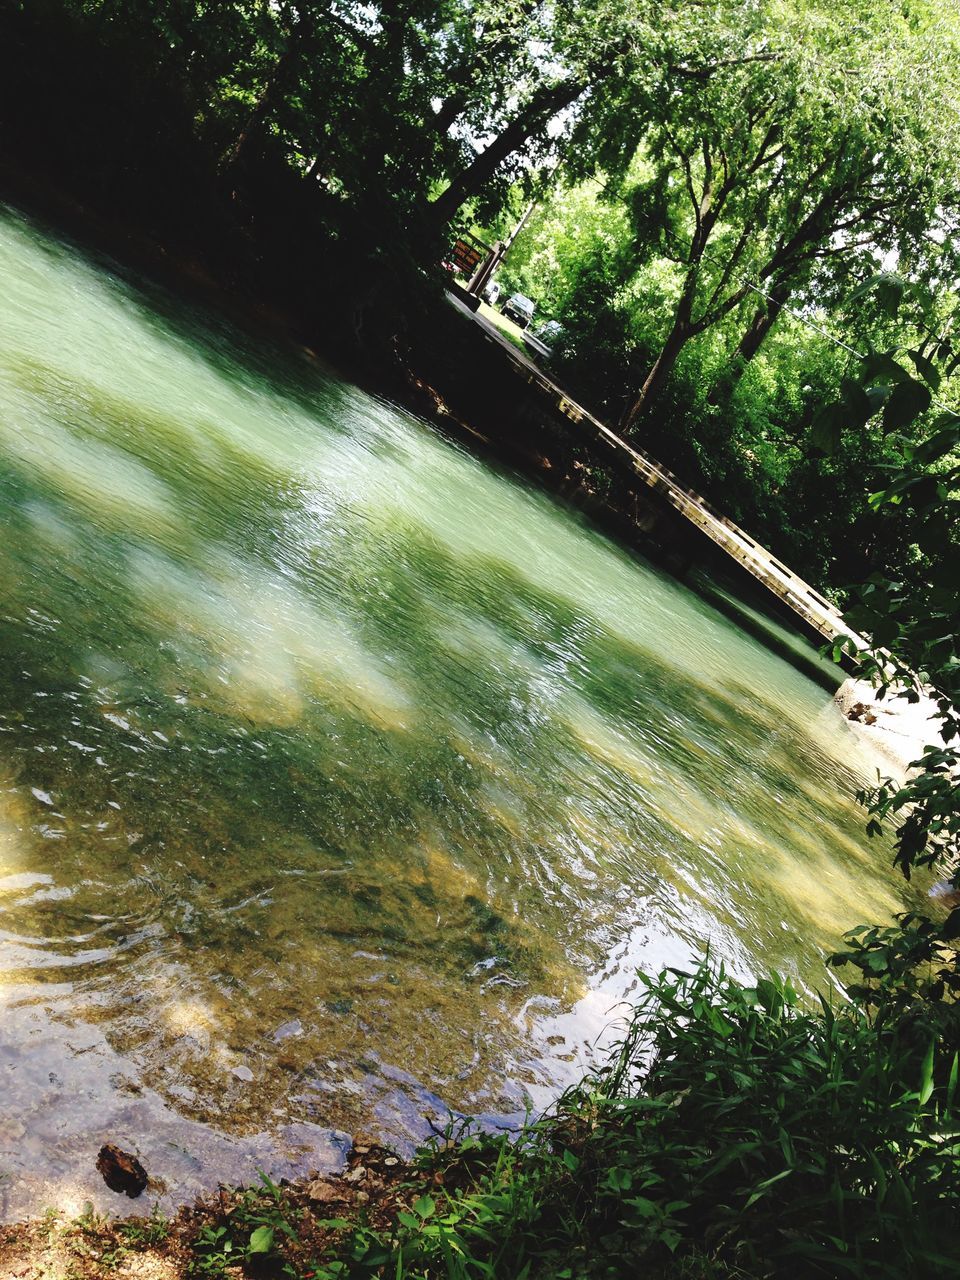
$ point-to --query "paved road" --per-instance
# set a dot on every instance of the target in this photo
(491, 330)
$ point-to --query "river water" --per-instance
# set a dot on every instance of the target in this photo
(343, 780)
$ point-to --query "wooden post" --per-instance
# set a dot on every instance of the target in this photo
(486, 268)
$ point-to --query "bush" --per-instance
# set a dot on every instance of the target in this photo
(734, 1133)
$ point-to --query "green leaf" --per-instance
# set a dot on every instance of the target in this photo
(881, 364)
(763, 1187)
(827, 426)
(926, 369)
(645, 1207)
(939, 444)
(671, 1239)
(890, 291)
(879, 1176)
(425, 1206)
(261, 1241)
(767, 996)
(858, 404)
(620, 1179)
(907, 401)
(926, 1076)
(877, 396)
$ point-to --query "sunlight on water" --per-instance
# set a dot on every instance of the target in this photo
(343, 780)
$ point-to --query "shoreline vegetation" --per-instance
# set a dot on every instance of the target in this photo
(733, 1133)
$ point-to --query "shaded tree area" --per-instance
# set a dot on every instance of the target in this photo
(753, 451)
(101, 115)
(710, 259)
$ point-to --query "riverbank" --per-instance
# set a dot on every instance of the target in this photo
(701, 1151)
(896, 727)
(298, 1222)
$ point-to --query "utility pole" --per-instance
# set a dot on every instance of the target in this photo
(502, 247)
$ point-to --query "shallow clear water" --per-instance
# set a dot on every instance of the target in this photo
(342, 779)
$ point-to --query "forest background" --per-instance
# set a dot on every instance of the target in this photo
(733, 199)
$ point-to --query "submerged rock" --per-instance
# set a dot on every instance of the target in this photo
(122, 1172)
(292, 1028)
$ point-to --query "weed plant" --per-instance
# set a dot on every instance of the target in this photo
(735, 1132)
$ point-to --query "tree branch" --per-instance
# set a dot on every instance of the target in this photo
(705, 72)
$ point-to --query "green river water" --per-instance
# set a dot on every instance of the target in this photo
(342, 779)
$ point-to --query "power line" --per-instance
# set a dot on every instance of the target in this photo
(798, 315)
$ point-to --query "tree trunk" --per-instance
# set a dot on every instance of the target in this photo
(661, 370)
(753, 338)
(450, 110)
(763, 322)
(269, 98)
(469, 182)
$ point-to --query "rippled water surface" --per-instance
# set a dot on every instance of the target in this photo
(343, 780)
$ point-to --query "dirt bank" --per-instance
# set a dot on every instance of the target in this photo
(267, 1230)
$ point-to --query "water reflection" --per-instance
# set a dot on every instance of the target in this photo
(341, 779)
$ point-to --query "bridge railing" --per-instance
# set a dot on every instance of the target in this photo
(804, 600)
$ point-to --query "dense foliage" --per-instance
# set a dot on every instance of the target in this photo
(733, 1134)
(751, 442)
(912, 968)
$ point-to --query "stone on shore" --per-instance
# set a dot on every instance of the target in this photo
(897, 728)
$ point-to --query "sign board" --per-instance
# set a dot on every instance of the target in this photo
(466, 257)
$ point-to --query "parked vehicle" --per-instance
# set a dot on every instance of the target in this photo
(519, 309)
(549, 333)
(491, 292)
